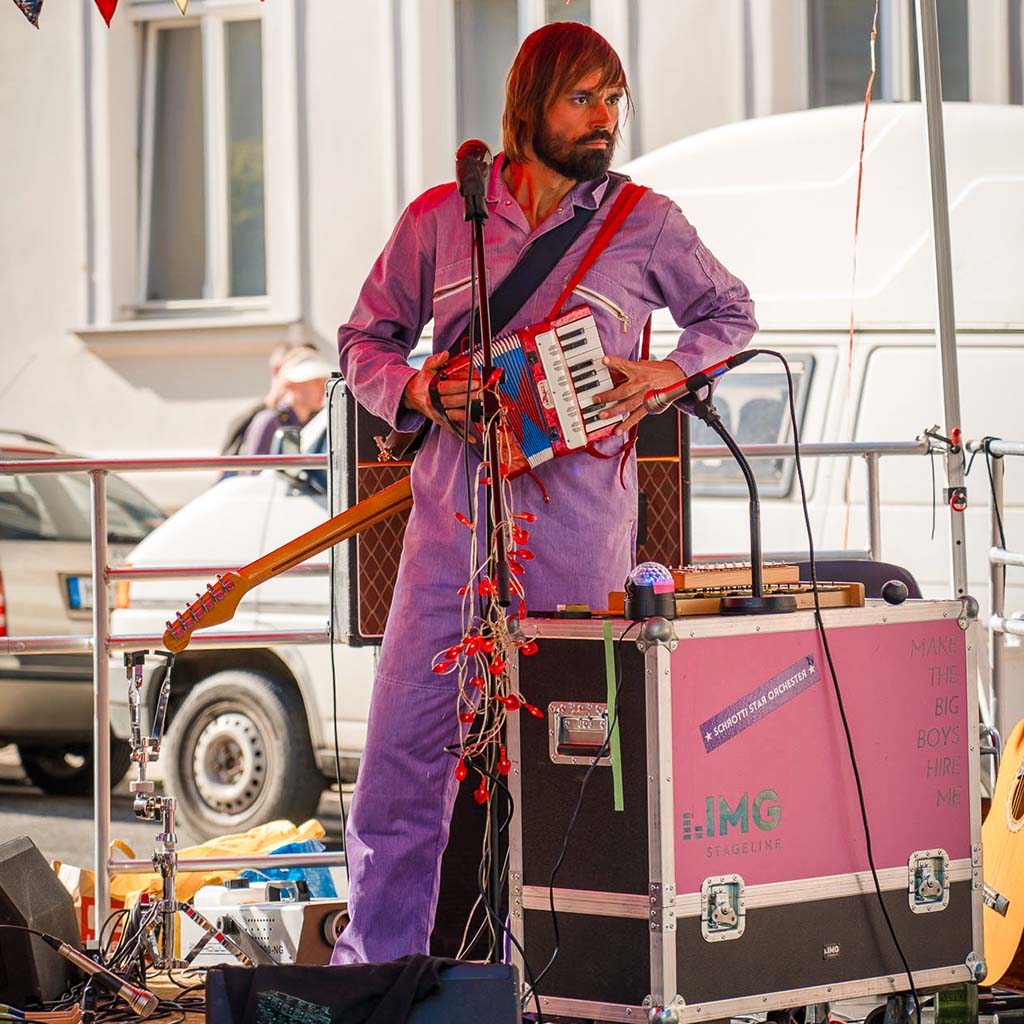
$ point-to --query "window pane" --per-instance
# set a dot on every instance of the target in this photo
(177, 232)
(953, 57)
(245, 157)
(59, 507)
(1016, 63)
(559, 10)
(753, 403)
(485, 45)
(839, 47)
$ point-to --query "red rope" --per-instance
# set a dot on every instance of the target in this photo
(856, 232)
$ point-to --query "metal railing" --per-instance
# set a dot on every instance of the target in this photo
(101, 650)
(999, 558)
(98, 470)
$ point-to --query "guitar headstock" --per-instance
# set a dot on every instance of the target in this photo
(211, 608)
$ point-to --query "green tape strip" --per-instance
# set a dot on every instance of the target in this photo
(613, 746)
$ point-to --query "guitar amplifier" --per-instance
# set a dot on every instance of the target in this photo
(717, 864)
(366, 565)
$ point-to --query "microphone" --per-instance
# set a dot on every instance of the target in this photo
(472, 163)
(659, 399)
(139, 999)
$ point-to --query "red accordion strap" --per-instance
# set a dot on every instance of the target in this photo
(629, 195)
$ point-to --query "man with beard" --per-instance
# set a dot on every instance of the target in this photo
(560, 125)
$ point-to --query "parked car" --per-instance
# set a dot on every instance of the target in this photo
(46, 700)
(251, 731)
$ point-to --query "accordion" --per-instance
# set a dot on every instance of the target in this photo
(550, 373)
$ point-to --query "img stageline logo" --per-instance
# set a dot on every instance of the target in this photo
(723, 818)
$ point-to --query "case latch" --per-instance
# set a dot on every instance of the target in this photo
(928, 881)
(723, 911)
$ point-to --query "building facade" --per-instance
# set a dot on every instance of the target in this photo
(184, 193)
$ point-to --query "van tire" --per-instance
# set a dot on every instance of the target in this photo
(68, 770)
(238, 754)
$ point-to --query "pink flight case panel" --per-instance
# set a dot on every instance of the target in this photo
(743, 883)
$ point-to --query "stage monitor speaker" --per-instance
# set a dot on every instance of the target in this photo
(32, 896)
(366, 565)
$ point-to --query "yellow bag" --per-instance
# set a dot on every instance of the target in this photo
(126, 888)
(81, 883)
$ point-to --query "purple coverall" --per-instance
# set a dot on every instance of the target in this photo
(583, 541)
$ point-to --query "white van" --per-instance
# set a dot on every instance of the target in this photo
(774, 198)
(252, 730)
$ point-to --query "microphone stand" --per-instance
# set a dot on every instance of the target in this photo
(758, 603)
(476, 212)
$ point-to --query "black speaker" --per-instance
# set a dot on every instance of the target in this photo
(292, 993)
(32, 896)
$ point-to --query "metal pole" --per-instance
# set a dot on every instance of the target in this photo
(100, 694)
(997, 592)
(931, 93)
(874, 509)
(685, 489)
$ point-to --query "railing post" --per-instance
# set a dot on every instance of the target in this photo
(874, 508)
(100, 693)
(997, 596)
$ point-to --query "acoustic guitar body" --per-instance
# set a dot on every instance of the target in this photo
(1002, 842)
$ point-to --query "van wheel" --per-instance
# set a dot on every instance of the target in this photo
(238, 754)
(67, 770)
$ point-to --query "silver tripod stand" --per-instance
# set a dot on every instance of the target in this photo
(154, 923)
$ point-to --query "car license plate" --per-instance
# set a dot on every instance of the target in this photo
(80, 592)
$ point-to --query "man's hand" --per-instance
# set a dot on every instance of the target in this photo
(628, 398)
(452, 392)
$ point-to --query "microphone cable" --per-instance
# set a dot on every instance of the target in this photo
(820, 625)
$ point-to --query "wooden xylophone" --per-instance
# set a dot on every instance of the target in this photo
(699, 589)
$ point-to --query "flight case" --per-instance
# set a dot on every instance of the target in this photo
(731, 874)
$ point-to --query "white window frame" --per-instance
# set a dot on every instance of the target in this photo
(212, 22)
(116, 318)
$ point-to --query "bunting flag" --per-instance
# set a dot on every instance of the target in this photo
(31, 9)
(107, 8)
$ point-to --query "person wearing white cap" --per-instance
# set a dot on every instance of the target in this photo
(303, 375)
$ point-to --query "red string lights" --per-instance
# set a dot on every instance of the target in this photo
(481, 659)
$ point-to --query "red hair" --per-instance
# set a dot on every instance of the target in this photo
(549, 63)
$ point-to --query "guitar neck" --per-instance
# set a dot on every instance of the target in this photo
(391, 500)
(221, 599)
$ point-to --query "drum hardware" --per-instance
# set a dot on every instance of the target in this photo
(153, 923)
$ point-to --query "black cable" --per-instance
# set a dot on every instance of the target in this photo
(931, 463)
(986, 447)
(612, 724)
(819, 623)
(113, 1009)
(331, 596)
(101, 939)
(502, 927)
